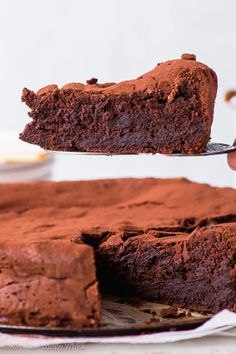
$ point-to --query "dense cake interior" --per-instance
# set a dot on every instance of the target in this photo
(128, 122)
(192, 266)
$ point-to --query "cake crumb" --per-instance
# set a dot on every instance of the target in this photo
(92, 81)
(187, 56)
(152, 320)
(169, 312)
(174, 312)
(188, 313)
(149, 311)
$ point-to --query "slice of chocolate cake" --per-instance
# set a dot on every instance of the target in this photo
(167, 110)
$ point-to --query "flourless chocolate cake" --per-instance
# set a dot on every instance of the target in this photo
(168, 240)
(167, 110)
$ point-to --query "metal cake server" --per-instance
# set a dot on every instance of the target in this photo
(211, 149)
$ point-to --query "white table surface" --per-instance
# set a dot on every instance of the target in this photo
(210, 345)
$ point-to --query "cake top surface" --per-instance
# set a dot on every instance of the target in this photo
(39, 211)
(163, 76)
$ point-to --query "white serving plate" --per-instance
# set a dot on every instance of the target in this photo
(20, 161)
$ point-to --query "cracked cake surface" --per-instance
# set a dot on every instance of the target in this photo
(167, 110)
(170, 240)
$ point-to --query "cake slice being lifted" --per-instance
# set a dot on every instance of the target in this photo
(167, 110)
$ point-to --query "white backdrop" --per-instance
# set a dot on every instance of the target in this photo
(60, 41)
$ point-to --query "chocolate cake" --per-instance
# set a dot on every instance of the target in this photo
(47, 283)
(170, 240)
(167, 110)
